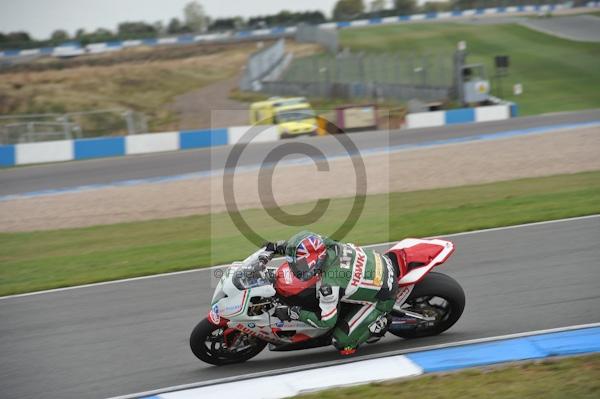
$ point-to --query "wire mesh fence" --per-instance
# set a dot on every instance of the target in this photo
(392, 76)
(16, 129)
(424, 70)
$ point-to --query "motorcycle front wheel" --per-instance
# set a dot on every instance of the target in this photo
(222, 345)
(437, 296)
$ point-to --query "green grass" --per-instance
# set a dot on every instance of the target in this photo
(50, 259)
(557, 74)
(576, 377)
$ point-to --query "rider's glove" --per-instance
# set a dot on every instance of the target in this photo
(295, 312)
(285, 313)
(276, 247)
(264, 258)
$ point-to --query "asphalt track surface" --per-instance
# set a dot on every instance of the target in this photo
(59, 176)
(584, 28)
(132, 336)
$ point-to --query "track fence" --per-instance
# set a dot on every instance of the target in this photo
(348, 75)
(29, 128)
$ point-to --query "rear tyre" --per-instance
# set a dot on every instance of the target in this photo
(422, 300)
(207, 342)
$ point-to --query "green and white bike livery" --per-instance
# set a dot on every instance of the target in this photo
(241, 320)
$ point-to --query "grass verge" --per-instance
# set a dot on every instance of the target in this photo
(51, 259)
(557, 74)
(576, 377)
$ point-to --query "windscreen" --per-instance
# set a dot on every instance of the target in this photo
(296, 115)
(249, 274)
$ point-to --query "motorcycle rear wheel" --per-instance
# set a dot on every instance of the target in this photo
(434, 285)
(206, 332)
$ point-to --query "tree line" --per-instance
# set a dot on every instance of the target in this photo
(195, 20)
(347, 10)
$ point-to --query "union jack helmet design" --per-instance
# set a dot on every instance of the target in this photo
(305, 254)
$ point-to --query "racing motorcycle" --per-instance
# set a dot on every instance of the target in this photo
(241, 320)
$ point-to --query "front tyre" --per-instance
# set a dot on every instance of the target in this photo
(438, 296)
(222, 345)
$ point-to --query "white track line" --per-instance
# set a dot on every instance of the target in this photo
(355, 359)
(226, 265)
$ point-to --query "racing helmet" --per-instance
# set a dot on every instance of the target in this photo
(306, 253)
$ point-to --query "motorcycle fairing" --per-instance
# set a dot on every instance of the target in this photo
(275, 331)
(422, 254)
(231, 308)
(235, 302)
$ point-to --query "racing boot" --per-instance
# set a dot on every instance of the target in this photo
(347, 351)
(344, 350)
(378, 328)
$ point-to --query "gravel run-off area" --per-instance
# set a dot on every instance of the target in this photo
(568, 151)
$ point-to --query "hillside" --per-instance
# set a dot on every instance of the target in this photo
(557, 74)
(144, 80)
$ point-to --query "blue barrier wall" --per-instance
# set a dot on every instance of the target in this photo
(99, 147)
(202, 138)
(185, 140)
(462, 115)
(7, 155)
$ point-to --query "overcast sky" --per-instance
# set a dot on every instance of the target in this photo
(42, 17)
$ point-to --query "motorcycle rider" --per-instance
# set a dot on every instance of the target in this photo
(346, 273)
